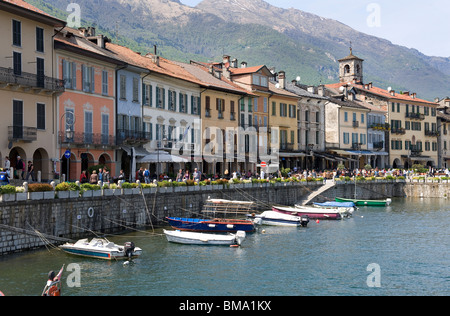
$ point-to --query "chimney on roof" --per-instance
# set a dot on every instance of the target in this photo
(226, 60)
(321, 90)
(234, 63)
(155, 56)
(392, 93)
(413, 95)
(282, 79)
(406, 93)
(244, 64)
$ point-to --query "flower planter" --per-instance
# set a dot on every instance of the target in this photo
(21, 196)
(49, 195)
(8, 198)
(108, 192)
(87, 194)
(180, 189)
(35, 196)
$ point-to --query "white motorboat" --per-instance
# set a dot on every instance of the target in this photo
(102, 249)
(272, 218)
(193, 238)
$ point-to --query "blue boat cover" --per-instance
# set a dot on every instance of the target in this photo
(336, 204)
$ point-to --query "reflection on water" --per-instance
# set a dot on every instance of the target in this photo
(408, 240)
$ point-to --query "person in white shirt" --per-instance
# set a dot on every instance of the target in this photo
(8, 166)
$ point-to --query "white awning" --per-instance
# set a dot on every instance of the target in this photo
(162, 157)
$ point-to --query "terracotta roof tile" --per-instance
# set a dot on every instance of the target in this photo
(381, 92)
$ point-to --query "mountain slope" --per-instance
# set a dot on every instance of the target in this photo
(300, 43)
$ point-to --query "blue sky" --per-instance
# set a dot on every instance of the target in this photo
(423, 25)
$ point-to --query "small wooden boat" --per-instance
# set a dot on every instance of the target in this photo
(345, 208)
(357, 202)
(192, 238)
(217, 225)
(102, 249)
(311, 212)
(272, 218)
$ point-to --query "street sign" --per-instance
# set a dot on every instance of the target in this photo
(67, 154)
(263, 164)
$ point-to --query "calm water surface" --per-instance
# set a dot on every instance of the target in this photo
(410, 241)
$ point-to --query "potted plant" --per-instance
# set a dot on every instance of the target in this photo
(36, 191)
(130, 188)
(67, 190)
(21, 194)
(148, 188)
(90, 190)
(8, 193)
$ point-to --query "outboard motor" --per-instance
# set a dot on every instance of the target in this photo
(304, 220)
(129, 249)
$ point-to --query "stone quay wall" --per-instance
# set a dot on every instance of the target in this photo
(26, 224)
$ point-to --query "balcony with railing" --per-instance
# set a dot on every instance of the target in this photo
(380, 126)
(132, 137)
(355, 124)
(398, 131)
(415, 116)
(91, 139)
(22, 133)
(287, 147)
(416, 151)
(432, 133)
(31, 81)
(378, 145)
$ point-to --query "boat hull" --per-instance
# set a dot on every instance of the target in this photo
(212, 226)
(99, 250)
(312, 213)
(271, 218)
(380, 203)
(193, 238)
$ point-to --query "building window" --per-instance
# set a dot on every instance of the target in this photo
(160, 98)
(88, 129)
(88, 74)
(274, 108)
(39, 39)
(220, 107)
(105, 82)
(172, 100)
(17, 33)
(346, 138)
(69, 74)
(135, 90)
(17, 119)
(345, 116)
(105, 129)
(40, 110)
(147, 94)
(123, 87)
(183, 103)
(17, 61)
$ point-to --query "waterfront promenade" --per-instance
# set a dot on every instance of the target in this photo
(57, 215)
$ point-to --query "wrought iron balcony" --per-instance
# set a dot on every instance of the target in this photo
(83, 139)
(355, 124)
(398, 131)
(416, 116)
(378, 145)
(132, 137)
(432, 133)
(29, 80)
(416, 151)
(22, 133)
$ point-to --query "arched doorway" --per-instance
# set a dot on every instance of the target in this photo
(105, 160)
(13, 154)
(86, 160)
(396, 164)
(41, 162)
(68, 168)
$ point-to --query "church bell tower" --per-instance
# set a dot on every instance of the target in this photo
(351, 69)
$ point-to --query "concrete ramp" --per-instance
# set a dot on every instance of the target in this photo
(328, 185)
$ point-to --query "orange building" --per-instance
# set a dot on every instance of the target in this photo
(86, 110)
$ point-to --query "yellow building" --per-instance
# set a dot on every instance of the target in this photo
(220, 101)
(28, 87)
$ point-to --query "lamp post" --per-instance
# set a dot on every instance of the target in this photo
(164, 140)
(68, 133)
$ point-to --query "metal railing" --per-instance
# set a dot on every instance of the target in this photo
(26, 79)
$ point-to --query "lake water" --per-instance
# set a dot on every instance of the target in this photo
(408, 243)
